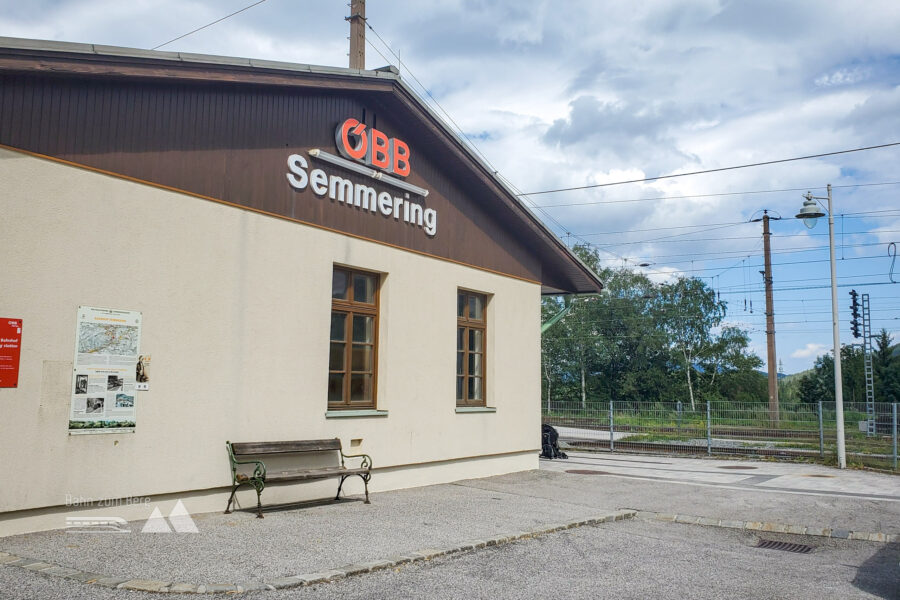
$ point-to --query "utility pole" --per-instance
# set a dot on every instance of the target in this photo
(357, 20)
(770, 320)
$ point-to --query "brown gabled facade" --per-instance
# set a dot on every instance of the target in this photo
(223, 130)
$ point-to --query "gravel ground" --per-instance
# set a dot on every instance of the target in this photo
(626, 559)
(240, 548)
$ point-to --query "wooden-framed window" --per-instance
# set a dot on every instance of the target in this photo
(471, 344)
(354, 335)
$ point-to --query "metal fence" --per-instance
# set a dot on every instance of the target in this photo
(800, 431)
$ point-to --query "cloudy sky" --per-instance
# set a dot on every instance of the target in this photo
(559, 94)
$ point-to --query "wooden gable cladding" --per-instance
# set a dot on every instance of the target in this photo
(231, 142)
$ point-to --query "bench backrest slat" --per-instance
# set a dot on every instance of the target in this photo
(285, 447)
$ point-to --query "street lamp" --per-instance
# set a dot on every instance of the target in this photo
(809, 213)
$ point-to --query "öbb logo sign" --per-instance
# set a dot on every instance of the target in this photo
(361, 143)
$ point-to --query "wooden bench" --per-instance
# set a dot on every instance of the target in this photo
(250, 453)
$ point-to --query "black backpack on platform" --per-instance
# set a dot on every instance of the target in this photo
(550, 443)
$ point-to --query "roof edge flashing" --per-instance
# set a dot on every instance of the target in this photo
(101, 50)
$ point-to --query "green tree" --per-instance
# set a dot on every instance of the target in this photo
(821, 382)
(640, 341)
(887, 369)
(688, 314)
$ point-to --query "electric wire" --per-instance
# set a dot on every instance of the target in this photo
(744, 193)
(665, 240)
(698, 225)
(724, 254)
(718, 170)
(208, 25)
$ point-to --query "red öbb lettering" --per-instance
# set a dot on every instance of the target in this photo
(370, 146)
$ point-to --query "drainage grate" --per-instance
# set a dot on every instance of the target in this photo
(586, 472)
(784, 546)
(738, 467)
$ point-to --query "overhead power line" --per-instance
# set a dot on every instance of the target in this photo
(719, 170)
(207, 25)
(730, 254)
(744, 193)
(862, 215)
(811, 287)
(728, 239)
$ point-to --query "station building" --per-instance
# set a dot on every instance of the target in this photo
(301, 252)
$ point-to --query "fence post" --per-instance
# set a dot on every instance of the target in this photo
(821, 433)
(612, 443)
(678, 408)
(708, 431)
(894, 406)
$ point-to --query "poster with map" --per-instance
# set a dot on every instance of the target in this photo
(107, 346)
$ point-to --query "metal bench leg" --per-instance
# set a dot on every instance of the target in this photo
(231, 499)
(259, 489)
(338, 496)
(365, 479)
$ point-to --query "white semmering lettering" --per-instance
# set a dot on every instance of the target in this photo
(359, 195)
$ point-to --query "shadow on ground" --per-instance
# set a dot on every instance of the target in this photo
(880, 575)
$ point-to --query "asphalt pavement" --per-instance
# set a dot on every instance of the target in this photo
(508, 537)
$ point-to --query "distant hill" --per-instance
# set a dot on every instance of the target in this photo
(794, 376)
(781, 376)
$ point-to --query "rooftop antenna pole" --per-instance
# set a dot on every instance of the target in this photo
(357, 20)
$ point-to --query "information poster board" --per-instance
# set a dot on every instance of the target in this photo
(10, 349)
(107, 346)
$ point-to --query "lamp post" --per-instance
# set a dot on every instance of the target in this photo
(809, 213)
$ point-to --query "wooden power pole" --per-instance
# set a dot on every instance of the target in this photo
(770, 321)
(357, 20)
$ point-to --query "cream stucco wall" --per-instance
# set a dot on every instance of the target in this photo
(235, 315)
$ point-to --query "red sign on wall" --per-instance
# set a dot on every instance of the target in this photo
(10, 347)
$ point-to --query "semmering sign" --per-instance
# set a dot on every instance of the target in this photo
(369, 152)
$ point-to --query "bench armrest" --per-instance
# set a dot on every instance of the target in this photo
(259, 472)
(366, 462)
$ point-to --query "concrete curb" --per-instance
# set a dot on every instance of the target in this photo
(153, 585)
(844, 534)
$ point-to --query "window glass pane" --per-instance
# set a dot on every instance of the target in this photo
(476, 307)
(363, 329)
(460, 382)
(460, 305)
(339, 280)
(460, 360)
(360, 388)
(362, 358)
(338, 322)
(336, 388)
(475, 364)
(460, 338)
(364, 288)
(476, 339)
(474, 388)
(336, 361)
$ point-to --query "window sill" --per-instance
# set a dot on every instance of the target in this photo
(349, 414)
(476, 409)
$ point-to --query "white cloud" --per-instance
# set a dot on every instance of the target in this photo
(809, 351)
(843, 77)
